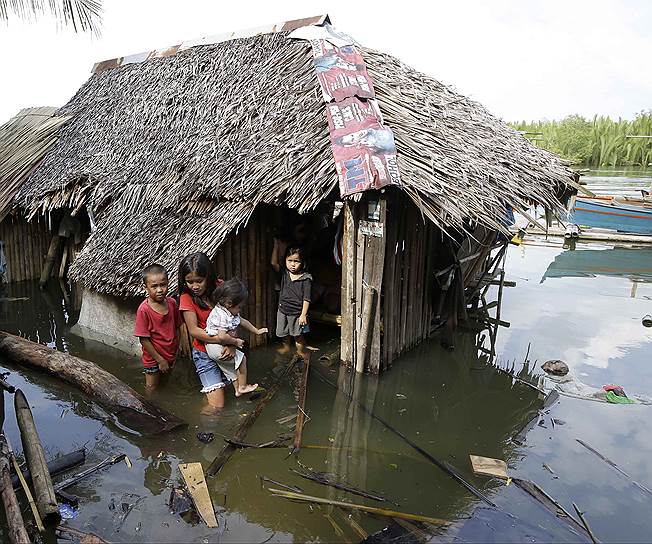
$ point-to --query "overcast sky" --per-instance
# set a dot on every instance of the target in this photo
(523, 59)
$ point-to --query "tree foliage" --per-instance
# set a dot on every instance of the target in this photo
(81, 15)
(597, 142)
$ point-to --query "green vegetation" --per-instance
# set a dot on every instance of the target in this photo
(597, 142)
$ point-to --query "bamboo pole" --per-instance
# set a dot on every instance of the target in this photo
(352, 506)
(258, 278)
(251, 279)
(35, 457)
(25, 487)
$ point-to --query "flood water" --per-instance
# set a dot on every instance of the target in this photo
(582, 305)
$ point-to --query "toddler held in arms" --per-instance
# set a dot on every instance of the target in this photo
(222, 323)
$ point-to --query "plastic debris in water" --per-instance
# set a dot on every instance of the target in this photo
(67, 511)
(205, 437)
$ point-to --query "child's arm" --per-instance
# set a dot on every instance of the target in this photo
(226, 339)
(147, 346)
(307, 288)
(303, 318)
(246, 325)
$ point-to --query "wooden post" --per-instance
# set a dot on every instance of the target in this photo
(364, 338)
(301, 414)
(49, 260)
(348, 283)
(33, 450)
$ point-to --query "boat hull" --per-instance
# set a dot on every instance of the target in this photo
(603, 214)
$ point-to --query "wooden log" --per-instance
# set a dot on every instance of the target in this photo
(130, 408)
(15, 524)
(46, 500)
(49, 260)
(303, 390)
(243, 428)
(366, 330)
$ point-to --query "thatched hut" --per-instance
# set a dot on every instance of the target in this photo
(202, 146)
(24, 140)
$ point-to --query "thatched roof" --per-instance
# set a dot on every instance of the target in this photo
(24, 140)
(174, 153)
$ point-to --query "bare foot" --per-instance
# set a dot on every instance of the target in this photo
(284, 349)
(245, 389)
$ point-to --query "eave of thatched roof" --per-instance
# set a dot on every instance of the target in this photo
(24, 140)
(196, 140)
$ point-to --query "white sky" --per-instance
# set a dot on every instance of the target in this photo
(523, 59)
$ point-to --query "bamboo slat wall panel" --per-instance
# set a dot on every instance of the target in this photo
(410, 261)
(246, 255)
(25, 247)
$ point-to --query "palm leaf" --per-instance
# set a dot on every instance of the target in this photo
(82, 15)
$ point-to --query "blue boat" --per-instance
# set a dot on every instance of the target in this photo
(617, 213)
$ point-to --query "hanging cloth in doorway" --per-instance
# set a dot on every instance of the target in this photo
(363, 147)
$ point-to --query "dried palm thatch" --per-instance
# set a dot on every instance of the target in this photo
(175, 153)
(24, 140)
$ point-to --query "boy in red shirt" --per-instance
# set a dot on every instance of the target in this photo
(157, 326)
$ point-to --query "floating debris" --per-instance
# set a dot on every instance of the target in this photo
(205, 437)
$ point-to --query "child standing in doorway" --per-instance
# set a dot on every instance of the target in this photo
(294, 301)
(222, 324)
(157, 326)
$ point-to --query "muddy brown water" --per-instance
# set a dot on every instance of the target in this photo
(450, 404)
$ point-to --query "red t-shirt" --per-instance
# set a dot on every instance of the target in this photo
(187, 304)
(160, 329)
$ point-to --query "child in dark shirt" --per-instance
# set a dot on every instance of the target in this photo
(157, 326)
(294, 301)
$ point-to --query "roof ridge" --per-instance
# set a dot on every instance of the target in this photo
(283, 26)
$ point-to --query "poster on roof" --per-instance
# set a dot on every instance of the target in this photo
(341, 71)
(364, 149)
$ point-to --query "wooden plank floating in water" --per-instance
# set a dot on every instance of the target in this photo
(130, 408)
(489, 466)
(193, 475)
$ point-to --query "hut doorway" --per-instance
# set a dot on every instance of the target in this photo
(319, 233)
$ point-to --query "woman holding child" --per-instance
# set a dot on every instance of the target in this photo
(211, 311)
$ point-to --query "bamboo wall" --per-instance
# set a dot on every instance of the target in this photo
(411, 255)
(246, 255)
(25, 247)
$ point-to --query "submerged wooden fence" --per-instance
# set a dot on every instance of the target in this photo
(25, 245)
